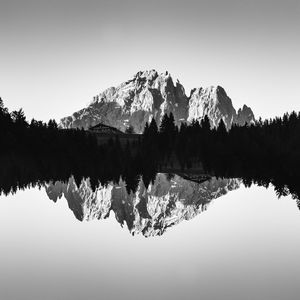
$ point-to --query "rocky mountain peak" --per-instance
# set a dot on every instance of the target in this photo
(149, 210)
(146, 95)
(213, 102)
(245, 115)
(146, 76)
(149, 94)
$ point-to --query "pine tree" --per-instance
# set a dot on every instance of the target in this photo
(18, 117)
(153, 129)
(221, 130)
(205, 124)
(164, 124)
(52, 124)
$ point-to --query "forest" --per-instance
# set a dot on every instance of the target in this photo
(265, 152)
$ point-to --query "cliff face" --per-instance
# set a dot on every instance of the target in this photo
(214, 103)
(133, 103)
(245, 115)
(150, 95)
(149, 211)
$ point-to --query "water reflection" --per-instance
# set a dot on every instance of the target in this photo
(146, 201)
(149, 211)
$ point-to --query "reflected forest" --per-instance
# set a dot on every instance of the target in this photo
(36, 153)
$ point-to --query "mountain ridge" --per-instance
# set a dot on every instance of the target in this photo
(148, 95)
(150, 211)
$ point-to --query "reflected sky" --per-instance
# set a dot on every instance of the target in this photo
(245, 246)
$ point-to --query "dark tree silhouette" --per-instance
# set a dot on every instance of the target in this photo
(264, 153)
(153, 129)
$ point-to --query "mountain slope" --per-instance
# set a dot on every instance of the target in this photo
(149, 211)
(147, 95)
(150, 95)
(214, 103)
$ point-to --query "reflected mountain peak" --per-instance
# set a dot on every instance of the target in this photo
(167, 201)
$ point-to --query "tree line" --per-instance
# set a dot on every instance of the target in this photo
(272, 143)
(263, 152)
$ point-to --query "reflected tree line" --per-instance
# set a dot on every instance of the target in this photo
(34, 153)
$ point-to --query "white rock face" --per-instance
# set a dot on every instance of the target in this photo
(148, 211)
(150, 95)
(214, 103)
(145, 96)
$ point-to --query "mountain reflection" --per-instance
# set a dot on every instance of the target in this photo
(167, 201)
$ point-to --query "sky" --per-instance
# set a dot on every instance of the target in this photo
(56, 55)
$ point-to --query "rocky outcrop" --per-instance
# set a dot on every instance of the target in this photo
(133, 103)
(149, 211)
(245, 116)
(150, 95)
(214, 103)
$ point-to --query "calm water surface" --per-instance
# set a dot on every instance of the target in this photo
(244, 246)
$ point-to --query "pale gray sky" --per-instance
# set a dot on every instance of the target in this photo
(56, 55)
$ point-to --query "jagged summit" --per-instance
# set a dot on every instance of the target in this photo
(244, 115)
(148, 211)
(213, 102)
(147, 74)
(149, 94)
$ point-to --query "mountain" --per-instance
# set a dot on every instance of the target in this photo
(214, 103)
(150, 95)
(149, 211)
(244, 115)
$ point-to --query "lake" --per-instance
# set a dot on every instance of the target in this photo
(216, 240)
